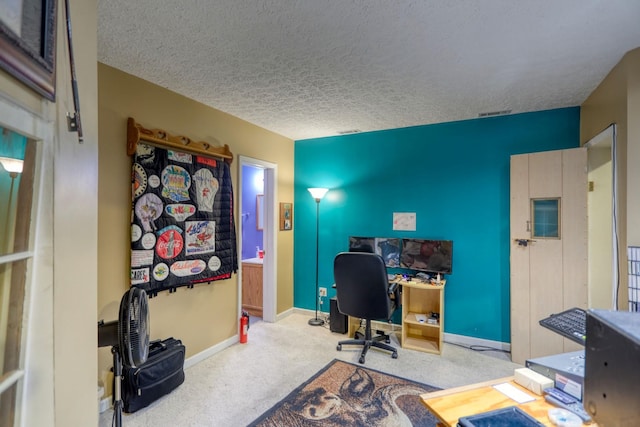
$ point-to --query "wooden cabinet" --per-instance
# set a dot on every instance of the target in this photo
(252, 288)
(421, 299)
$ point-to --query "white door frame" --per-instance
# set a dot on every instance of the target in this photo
(610, 134)
(270, 236)
(35, 380)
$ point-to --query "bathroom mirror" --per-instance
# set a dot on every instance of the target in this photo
(259, 211)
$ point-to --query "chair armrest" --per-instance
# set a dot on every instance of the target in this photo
(394, 290)
(394, 296)
(393, 287)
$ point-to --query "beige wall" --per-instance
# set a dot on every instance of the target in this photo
(70, 298)
(75, 224)
(60, 362)
(633, 146)
(207, 314)
(617, 100)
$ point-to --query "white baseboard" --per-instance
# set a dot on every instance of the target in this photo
(197, 358)
(375, 324)
(450, 338)
(104, 404)
(472, 341)
(285, 314)
(310, 313)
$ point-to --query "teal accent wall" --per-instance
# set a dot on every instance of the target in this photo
(12, 144)
(454, 176)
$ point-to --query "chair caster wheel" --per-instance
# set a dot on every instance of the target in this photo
(361, 359)
(339, 347)
(394, 355)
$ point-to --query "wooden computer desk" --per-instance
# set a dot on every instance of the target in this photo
(418, 297)
(451, 404)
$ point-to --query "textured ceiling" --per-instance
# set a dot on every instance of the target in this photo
(314, 68)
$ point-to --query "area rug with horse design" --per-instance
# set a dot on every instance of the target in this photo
(345, 394)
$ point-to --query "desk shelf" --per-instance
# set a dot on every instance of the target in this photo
(412, 319)
(421, 343)
(421, 298)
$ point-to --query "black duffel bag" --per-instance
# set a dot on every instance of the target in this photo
(162, 372)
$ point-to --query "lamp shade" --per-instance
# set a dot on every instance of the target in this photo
(318, 193)
(12, 165)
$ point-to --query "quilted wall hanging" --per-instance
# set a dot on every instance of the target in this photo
(182, 224)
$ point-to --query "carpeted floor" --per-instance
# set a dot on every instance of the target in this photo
(342, 394)
(233, 387)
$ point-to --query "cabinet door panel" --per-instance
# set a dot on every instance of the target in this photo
(252, 289)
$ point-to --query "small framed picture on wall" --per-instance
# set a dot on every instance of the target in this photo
(286, 216)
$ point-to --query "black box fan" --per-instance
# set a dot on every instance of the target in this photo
(129, 340)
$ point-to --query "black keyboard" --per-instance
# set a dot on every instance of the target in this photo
(570, 324)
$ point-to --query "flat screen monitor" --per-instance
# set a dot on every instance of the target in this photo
(612, 367)
(362, 244)
(433, 256)
(387, 248)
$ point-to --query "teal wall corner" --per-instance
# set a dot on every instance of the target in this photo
(454, 176)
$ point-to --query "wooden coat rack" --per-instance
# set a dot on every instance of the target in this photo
(136, 133)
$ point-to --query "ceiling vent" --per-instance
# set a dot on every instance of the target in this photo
(495, 113)
(347, 132)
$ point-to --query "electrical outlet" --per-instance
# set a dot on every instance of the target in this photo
(322, 292)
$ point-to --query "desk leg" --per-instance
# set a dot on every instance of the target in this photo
(354, 325)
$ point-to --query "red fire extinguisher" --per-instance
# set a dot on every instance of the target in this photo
(244, 327)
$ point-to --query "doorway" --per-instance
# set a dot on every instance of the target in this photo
(257, 292)
(602, 232)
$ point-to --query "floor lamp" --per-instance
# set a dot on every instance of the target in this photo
(14, 167)
(317, 194)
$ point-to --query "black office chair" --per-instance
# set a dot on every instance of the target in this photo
(363, 291)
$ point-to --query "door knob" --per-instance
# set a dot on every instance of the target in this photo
(524, 242)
